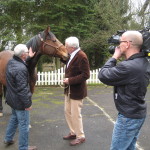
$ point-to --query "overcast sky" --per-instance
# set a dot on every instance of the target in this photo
(139, 3)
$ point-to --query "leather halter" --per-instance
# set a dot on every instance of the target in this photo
(45, 43)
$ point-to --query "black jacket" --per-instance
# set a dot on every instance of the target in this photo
(130, 79)
(18, 94)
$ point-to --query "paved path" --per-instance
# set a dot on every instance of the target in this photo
(49, 126)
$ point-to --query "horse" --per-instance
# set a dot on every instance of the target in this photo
(44, 43)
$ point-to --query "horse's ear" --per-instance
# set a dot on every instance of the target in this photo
(48, 29)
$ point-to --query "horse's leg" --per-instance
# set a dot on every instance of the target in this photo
(1, 95)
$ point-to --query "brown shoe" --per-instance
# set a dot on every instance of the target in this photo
(69, 137)
(32, 148)
(7, 143)
(77, 141)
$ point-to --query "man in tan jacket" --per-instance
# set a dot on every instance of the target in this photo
(76, 73)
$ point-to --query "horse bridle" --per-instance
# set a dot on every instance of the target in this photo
(45, 43)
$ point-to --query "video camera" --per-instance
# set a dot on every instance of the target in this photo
(114, 41)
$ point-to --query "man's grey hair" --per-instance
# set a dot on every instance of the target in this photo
(72, 42)
(19, 49)
(135, 37)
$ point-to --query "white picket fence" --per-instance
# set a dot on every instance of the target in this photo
(56, 77)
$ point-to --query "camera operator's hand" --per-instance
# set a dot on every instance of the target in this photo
(117, 54)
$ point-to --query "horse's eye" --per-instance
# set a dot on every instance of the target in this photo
(54, 40)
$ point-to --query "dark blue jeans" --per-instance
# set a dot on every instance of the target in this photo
(125, 133)
(19, 118)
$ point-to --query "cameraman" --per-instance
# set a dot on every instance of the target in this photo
(130, 79)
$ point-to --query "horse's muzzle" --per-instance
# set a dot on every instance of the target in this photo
(66, 57)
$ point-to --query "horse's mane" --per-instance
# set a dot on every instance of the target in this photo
(33, 43)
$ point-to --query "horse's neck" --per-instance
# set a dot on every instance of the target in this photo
(35, 44)
(33, 62)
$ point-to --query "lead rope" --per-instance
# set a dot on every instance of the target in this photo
(68, 90)
(69, 93)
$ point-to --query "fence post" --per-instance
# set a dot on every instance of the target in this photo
(56, 77)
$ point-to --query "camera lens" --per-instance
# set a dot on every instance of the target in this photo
(112, 49)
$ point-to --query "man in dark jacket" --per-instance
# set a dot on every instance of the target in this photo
(130, 79)
(18, 97)
(76, 74)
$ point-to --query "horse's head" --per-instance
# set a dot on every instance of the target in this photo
(44, 43)
(51, 45)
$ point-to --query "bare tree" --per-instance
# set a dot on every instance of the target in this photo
(143, 9)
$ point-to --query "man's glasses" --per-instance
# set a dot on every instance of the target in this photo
(124, 41)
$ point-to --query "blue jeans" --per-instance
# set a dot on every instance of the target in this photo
(19, 118)
(125, 133)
